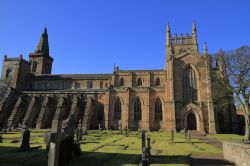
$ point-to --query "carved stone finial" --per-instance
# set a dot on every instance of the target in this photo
(193, 26)
(168, 27)
(205, 48)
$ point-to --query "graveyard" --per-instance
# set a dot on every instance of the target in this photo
(114, 147)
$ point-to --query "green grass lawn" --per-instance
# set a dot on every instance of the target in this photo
(110, 148)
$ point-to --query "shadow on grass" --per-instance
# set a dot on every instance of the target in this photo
(11, 156)
(208, 161)
(36, 157)
(94, 142)
(181, 142)
(118, 159)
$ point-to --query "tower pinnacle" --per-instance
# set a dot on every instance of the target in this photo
(194, 33)
(193, 27)
(43, 45)
(168, 28)
(205, 48)
(168, 35)
(40, 60)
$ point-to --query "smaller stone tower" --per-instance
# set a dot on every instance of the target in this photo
(40, 60)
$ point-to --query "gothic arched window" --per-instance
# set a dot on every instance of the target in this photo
(118, 109)
(189, 84)
(34, 66)
(8, 71)
(139, 81)
(121, 82)
(158, 109)
(137, 109)
(157, 81)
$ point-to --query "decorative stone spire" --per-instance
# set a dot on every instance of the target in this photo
(168, 37)
(43, 45)
(193, 27)
(194, 33)
(205, 48)
(168, 28)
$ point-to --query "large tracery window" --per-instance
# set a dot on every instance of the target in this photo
(158, 109)
(118, 109)
(137, 109)
(189, 84)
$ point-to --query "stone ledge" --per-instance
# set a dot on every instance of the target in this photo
(237, 152)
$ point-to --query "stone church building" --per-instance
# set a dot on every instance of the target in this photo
(184, 94)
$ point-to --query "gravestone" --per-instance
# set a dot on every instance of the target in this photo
(54, 148)
(62, 147)
(99, 127)
(46, 138)
(148, 150)
(146, 154)
(143, 139)
(120, 128)
(25, 140)
(53, 155)
(79, 132)
(144, 161)
(126, 131)
(172, 136)
(189, 137)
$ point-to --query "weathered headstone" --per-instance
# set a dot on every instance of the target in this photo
(99, 127)
(126, 131)
(25, 140)
(148, 150)
(172, 136)
(189, 137)
(144, 160)
(53, 155)
(54, 149)
(79, 131)
(46, 138)
(120, 128)
(143, 139)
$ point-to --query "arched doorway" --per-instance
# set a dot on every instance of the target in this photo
(100, 115)
(191, 122)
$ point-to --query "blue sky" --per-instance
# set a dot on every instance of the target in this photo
(89, 36)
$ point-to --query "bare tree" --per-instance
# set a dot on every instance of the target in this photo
(236, 78)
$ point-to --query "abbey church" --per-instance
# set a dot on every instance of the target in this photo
(185, 94)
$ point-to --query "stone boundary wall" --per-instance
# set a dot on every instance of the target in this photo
(237, 152)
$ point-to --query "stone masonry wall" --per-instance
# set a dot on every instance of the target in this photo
(237, 152)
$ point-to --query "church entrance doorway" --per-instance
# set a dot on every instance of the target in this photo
(100, 115)
(191, 122)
